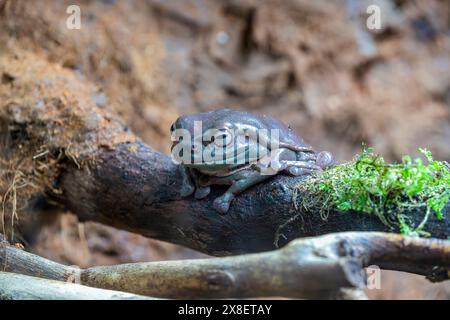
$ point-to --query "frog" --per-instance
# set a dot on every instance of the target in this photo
(246, 153)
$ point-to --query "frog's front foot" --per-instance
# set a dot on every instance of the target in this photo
(222, 203)
(202, 192)
(186, 190)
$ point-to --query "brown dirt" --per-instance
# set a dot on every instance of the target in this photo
(310, 63)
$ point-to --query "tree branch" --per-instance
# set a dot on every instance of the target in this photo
(317, 267)
(139, 192)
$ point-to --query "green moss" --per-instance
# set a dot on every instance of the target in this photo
(389, 191)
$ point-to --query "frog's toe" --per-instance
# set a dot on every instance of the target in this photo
(186, 190)
(325, 159)
(298, 171)
(298, 168)
(202, 192)
(222, 205)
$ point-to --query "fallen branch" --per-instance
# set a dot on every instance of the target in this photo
(318, 267)
(20, 287)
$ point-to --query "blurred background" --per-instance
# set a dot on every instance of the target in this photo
(313, 64)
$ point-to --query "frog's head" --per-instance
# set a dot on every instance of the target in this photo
(215, 135)
(209, 120)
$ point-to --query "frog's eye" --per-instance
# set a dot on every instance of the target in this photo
(223, 138)
(172, 127)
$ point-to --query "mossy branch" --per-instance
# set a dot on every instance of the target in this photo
(388, 191)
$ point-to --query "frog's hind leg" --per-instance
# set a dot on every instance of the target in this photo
(298, 171)
(323, 160)
(296, 148)
(298, 168)
(222, 203)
